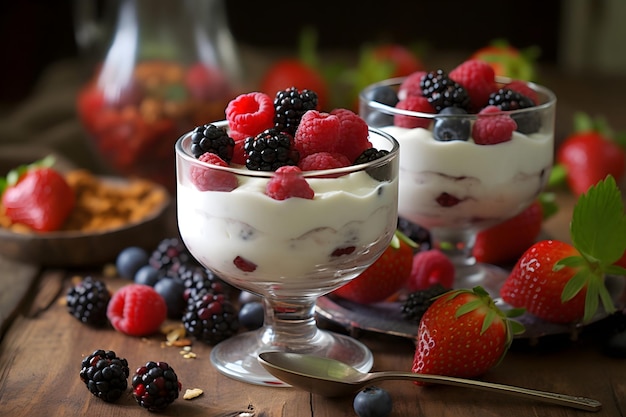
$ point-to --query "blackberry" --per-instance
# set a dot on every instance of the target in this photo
(270, 150)
(415, 232)
(88, 301)
(196, 279)
(105, 375)
(441, 91)
(507, 100)
(155, 385)
(213, 139)
(210, 317)
(169, 256)
(381, 173)
(452, 128)
(417, 302)
(290, 105)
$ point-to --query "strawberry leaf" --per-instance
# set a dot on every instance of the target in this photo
(598, 223)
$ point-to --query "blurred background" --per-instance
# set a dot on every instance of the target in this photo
(580, 44)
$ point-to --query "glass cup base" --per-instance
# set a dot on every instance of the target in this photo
(237, 357)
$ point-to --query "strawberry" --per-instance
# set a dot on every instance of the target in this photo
(384, 277)
(462, 334)
(563, 283)
(37, 196)
(507, 241)
(403, 61)
(292, 72)
(590, 153)
(509, 61)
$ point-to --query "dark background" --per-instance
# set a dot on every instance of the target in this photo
(36, 33)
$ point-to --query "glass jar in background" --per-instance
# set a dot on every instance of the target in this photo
(171, 65)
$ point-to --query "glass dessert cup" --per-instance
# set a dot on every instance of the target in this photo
(456, 188)
(290, 252)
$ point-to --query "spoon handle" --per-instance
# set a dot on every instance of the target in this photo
(581, 403)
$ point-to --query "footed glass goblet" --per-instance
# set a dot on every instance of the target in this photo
(291, 251)
(454, 185)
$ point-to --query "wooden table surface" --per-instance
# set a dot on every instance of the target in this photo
(42, 347)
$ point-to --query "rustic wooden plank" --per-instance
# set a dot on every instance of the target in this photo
(16, 279)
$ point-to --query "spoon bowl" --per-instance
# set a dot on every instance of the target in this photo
(332, 378)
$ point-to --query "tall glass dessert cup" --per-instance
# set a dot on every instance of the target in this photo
(290, 252)
(455, 187)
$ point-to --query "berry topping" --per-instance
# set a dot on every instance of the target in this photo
(524, 89)
(213, 139)
(249, 114)
(137, 310)
(244, 264)
(417, 104)
(506, 99)
(288, 182)
(411, 85)
(105, 375)
(210, 317)
(353, 134)
(494, 127)
(155, 386)
(452, 128)
(316, 133)
(442, 91)
(324, 160)
(447, 200)
(270, 150)
(88, 301)
(290, 105)
(211, 179)
(381, 173)
(478, 79)
(430, 267)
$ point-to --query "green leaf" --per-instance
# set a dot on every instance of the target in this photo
(575, 285)
(598, 224)
(570, 261)
(516, 327)
(548, 205)
(591, 301)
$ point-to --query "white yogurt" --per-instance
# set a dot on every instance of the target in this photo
(492, 182)
(292, 241)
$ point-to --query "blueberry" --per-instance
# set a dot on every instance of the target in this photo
(372, 402)
(147, 275)
(251, 315)
(383, 94)
(172, 291)
(248, 297)
(129, 261)
(452, 128)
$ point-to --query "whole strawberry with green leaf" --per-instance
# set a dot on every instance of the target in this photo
(565, 283)
(37, 196)
(463, 334)
(590, 153)
(385, 277)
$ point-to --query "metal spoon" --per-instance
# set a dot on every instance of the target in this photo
(331, 378)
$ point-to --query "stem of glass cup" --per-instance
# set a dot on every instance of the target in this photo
(289, 324)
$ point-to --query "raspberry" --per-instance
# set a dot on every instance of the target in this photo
(288, 182)
(209, 179)
(411, 85)
(430, 267)
(524, 89)
(417, 104)
(478, 79)
(324, 160)
(105, 375)
(137, 310)
(239, 153)
(353, 134)
(155, 386)
(249, 114)
(317, 132)
(494, 127)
